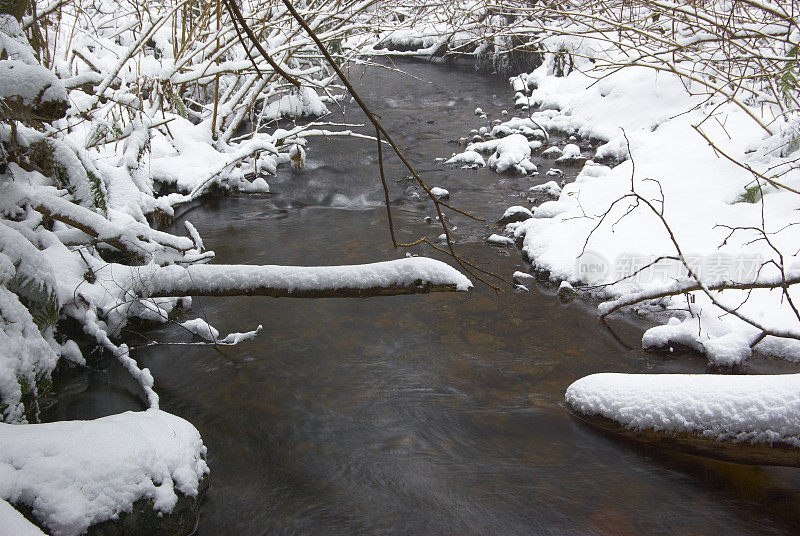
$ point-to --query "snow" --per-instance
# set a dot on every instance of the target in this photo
(570, 153)
(515, 214)
(201, 328)
(440, 193)
(78, 473)
(304, 103)
(552, 152)
(467, 159)
(407, 272)
(522, 278)
(32, 84)
(550, 189)
(25, 354)
(699, 189)
(512, 152)
(12, 523)
(758, 409)
(499, 240)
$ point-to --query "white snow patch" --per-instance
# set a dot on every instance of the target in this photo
(758, 409)
(440, 193)
(201, 328)
(78, 473)
(499, 240)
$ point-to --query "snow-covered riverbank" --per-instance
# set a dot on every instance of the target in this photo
(599, 235)
(685, 210)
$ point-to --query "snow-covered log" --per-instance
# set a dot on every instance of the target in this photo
(411, 275)
(744, 419)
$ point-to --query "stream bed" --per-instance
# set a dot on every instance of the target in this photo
(416, 415)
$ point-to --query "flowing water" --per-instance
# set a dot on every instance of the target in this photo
(417, 415)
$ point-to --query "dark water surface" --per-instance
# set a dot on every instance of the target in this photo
(417, 415)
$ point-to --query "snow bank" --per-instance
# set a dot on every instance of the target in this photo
(700, 192)
(75, 474)
(758, 409)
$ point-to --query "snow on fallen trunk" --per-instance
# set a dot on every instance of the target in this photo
(411, 275)
(75, 474)
(755, 409)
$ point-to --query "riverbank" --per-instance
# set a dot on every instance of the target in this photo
(370, 415)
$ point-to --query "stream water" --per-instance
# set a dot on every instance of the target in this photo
(419, 415)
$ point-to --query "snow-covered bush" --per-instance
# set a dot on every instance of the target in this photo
(111, 115)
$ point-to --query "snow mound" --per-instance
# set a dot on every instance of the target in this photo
(75, 474)
(512, 152)
(758, 409)
(515, 214)
(31, 84)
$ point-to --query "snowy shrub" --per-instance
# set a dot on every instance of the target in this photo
(115, 116)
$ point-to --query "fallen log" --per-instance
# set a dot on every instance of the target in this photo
(412, 275)
(746, 453)
(747, 419)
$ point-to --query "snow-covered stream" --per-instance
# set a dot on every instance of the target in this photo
(431, 414)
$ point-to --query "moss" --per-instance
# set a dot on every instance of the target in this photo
(41, 155)
(97, 191)
(751, 194)
(17, 8)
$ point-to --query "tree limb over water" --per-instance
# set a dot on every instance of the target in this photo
(413, 275)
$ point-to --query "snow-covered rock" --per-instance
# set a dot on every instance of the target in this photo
(570, 154)
(440, 193)
(566, 292)
(75, 474)
(549, 190)
(499, 240)
(515, 214)
(552, 152)
(523, 278)
(467, 159)
(512, 152)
